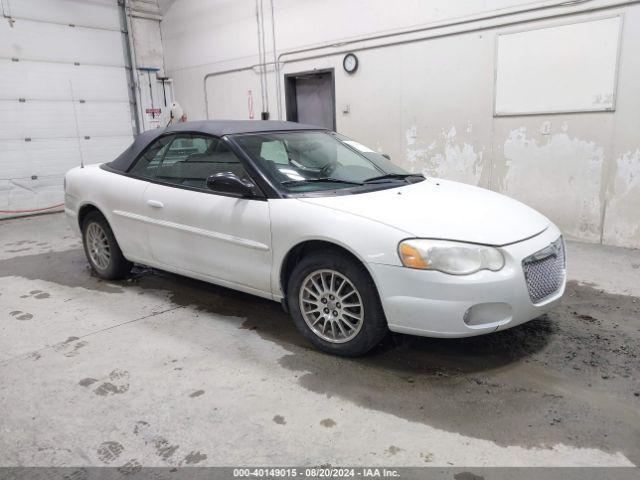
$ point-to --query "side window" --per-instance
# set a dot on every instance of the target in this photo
(149, 162)
(185, 146)
(188, 160)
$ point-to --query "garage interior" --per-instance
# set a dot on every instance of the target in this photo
(538, 100)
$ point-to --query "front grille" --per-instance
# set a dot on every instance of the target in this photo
(544, 271)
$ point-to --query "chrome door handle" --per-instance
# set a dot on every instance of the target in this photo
(155, 203)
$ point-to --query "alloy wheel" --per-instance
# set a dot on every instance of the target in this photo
(98, 246)
(331, 306)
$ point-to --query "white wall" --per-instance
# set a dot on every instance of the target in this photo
(427, 97)
(64, 96)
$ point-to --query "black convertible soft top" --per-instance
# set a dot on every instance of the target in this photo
(219, 128)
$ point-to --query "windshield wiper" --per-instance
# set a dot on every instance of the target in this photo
(393, 176)
(318, 180)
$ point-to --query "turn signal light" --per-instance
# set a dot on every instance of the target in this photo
(411, 257)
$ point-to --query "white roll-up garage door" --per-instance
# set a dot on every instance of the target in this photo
(64, 96)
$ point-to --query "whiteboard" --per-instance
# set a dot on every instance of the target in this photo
(564, 68)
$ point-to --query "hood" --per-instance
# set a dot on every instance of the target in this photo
(443, 209)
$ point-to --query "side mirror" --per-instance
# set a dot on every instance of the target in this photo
(387, 156)
(231, 184)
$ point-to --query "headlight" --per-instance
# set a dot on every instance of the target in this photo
(449, 257)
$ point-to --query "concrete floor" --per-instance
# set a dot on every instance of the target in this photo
(162, 370)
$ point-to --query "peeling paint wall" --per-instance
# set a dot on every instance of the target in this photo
(444, 157)
(429, 103)
(622, 221)
(560, 170)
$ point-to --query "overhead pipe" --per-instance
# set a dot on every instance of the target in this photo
(260, 64)
(275, 60)
(263, 60)
(441, 24)
(137, 91)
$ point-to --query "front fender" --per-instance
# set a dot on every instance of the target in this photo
(294, 222)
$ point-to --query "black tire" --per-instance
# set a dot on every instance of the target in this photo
(374, 325)
(117, 266)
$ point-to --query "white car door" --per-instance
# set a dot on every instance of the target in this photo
(123, 199)
(193, 230)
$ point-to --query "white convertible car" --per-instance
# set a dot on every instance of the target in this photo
(351, 244)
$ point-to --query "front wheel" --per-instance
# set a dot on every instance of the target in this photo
(102, 249)
(334, 303)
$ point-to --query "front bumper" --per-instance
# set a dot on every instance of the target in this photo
(435, 304)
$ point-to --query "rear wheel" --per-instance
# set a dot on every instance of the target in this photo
(101, 248)
(335, 304)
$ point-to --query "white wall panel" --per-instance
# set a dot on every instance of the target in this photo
(43, 157)
(198, 32)
(52, 42)
(228, 96)
(104, 119)
(32, 194)
(41, 119)
(71, 113)
(104, 149)
(563, 68)
(36, 120)
(95, 13)
(148, 43)
(52, 157)
(47, 160)
(42, 80)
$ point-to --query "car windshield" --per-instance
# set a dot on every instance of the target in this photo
(308, 161)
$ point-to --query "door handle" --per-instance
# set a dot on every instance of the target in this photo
(155, 203)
